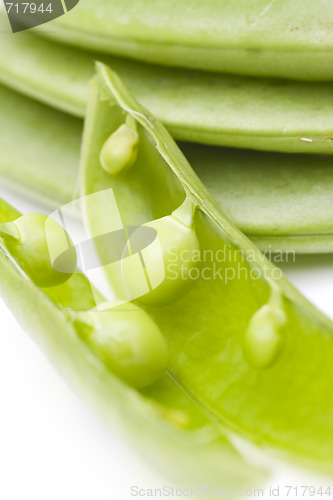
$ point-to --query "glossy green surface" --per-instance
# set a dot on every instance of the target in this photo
(290, 38)
(39, 147)
(282, 202)
(206, 327)
(165, 426)
(217, 109)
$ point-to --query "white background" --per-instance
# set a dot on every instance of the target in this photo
(54, 447)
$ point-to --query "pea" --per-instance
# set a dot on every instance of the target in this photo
(195, 106)
(205, 331)
(175, 259)
(171, 428)
(120, 150)
(204, 335)
(128, 341)
(263, 342)
(29, 239)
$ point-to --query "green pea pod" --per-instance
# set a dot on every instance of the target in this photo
(282, 38)
(282, 202)
(195, 106)
(165, 426)
(265, 375)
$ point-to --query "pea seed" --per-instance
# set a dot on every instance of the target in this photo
(128, 341)
(175, 242)
(263, 342)
(29, 238)
(120, 150)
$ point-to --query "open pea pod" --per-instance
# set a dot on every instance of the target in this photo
(243, 342)
(195, 106)
(282, 38)
(282, 202)
(161, 420)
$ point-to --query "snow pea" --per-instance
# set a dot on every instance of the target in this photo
(283, 202)
(162, 422)
(240, 333)
(290, 39)
(47, 159)
(195, 106)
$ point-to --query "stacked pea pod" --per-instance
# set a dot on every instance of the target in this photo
(274, 198)
(231, 347)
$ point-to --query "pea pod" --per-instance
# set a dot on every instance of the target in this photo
(40, 147)
(195, 106)
(282, 202)
(163, 424)
(206, 326)
(290, 39)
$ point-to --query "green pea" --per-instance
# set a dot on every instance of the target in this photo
(120, 150)
(263, 342)
(30, 238)
(171, 266)
(128, 341)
